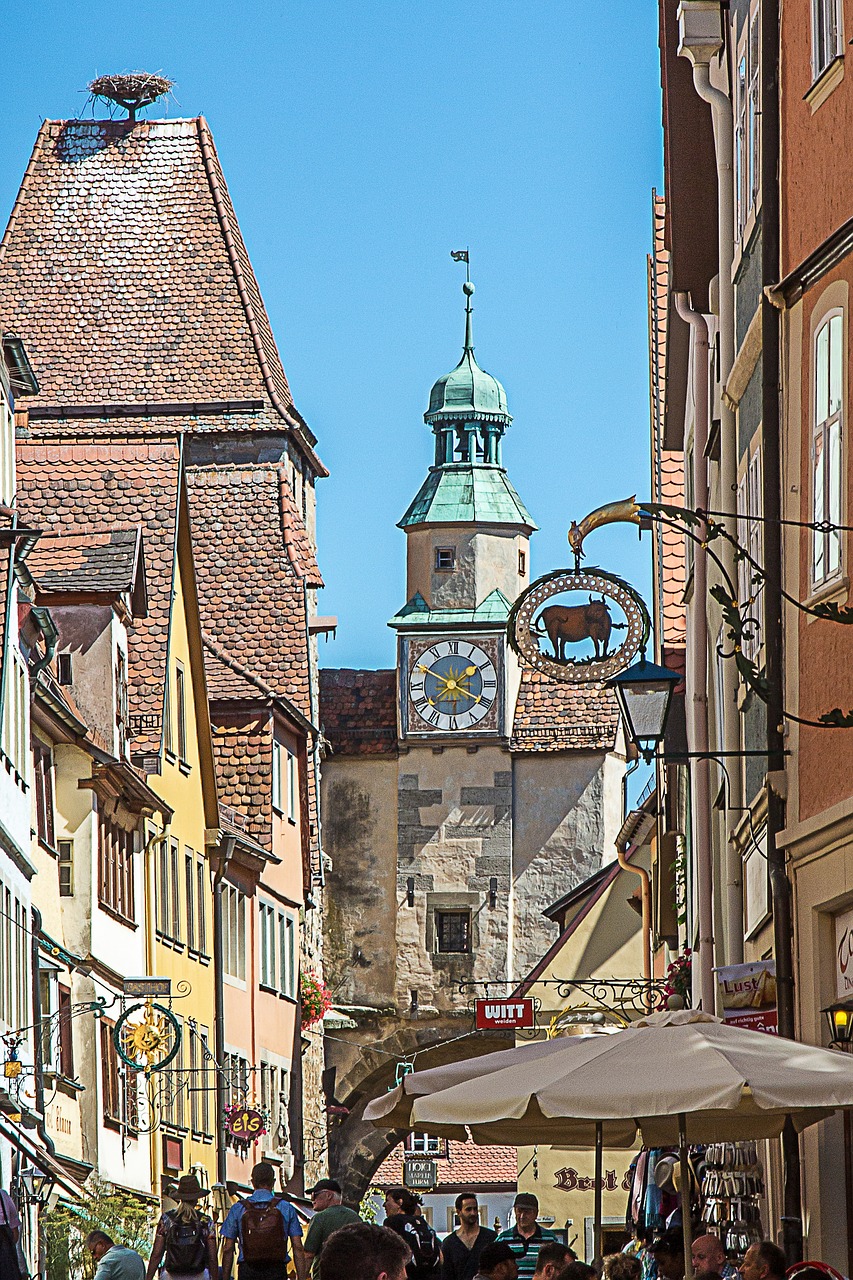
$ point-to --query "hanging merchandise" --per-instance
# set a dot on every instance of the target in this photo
(732, 1187)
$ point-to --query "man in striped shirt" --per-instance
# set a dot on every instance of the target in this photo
(526, 1237)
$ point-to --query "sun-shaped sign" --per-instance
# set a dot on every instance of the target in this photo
(147, 1037)
(564, 624)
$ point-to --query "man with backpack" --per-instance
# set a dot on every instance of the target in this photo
(263, 1225)
(185, 1243)
(404, 1216)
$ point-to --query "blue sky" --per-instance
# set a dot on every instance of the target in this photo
(362, 142)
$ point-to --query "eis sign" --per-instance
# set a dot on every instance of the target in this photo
(517, 1013)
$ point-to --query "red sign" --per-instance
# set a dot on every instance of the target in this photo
(245, 1123)
(505, 1013)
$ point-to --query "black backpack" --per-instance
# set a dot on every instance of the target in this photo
(426, 1250)
(186, 1245)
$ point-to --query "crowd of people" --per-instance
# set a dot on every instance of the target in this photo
(263, 1233)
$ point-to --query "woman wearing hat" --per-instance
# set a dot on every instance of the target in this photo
(185, 1242)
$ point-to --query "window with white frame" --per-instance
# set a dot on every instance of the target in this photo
(292, 787)
(234, 932)
(288, 951)
(747, 117)
(16, 715)
(827, 35)
(14, 964)
(826, 448)
(423, 1144)
(285, 780)
(195, 886)
(267, 944)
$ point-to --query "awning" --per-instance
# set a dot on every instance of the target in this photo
(41, 1158)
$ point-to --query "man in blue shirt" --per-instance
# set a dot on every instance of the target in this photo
(114, 1261)
(263, 1253)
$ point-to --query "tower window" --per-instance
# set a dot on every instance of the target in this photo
(445, 559)
(522, 563)
(453, 932)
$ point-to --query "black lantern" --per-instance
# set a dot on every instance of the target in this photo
(839, 1019)
(644, 692)
(37, 1185)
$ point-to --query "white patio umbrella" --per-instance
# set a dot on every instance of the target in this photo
(677, 1077)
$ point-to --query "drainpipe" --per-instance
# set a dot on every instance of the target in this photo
(700, 40)
(697, 700)
(780, 888)
(51, 640)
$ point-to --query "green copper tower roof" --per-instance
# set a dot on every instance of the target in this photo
(461, 493)
(467, 392)
(468, 415)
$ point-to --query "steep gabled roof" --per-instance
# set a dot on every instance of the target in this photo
(78, 488)
(124, 270)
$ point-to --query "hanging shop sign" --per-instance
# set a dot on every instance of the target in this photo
(147, 987)
(565, 625)
(748, 995)
(246, 1124)
(147, 1037)
(420, 1175)
(505, 1013)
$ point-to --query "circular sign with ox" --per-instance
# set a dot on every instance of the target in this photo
(578, 625)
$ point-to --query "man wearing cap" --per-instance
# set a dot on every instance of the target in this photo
(497, 1262)
(668, 1253)
(329, 1215)
(526, 1237)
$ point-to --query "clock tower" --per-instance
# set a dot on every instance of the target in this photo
(461, 796)
(468, 535)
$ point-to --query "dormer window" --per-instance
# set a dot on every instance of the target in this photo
(445, 559)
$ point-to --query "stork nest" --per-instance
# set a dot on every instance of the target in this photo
(132, 90)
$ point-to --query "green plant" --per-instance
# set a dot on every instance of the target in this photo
(126, 1218)
(369, 1208)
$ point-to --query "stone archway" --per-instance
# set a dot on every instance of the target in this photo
(366, 1060)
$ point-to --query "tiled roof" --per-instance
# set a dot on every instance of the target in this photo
(358, 711)
(551, 716)
(102, 561)
(76, 487)
(124, 270)
(253, 561)
(252, 574)
(465, 1165)
(243, 758)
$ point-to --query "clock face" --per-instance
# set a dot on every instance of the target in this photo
(453, 685)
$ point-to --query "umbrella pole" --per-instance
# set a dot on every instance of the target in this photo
(599, 1188)
(686, 1221)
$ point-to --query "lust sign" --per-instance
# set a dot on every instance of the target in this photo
(505, 1013)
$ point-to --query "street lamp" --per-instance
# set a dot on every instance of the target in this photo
(37, 1185)
(644, 693)
(839, 1019)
